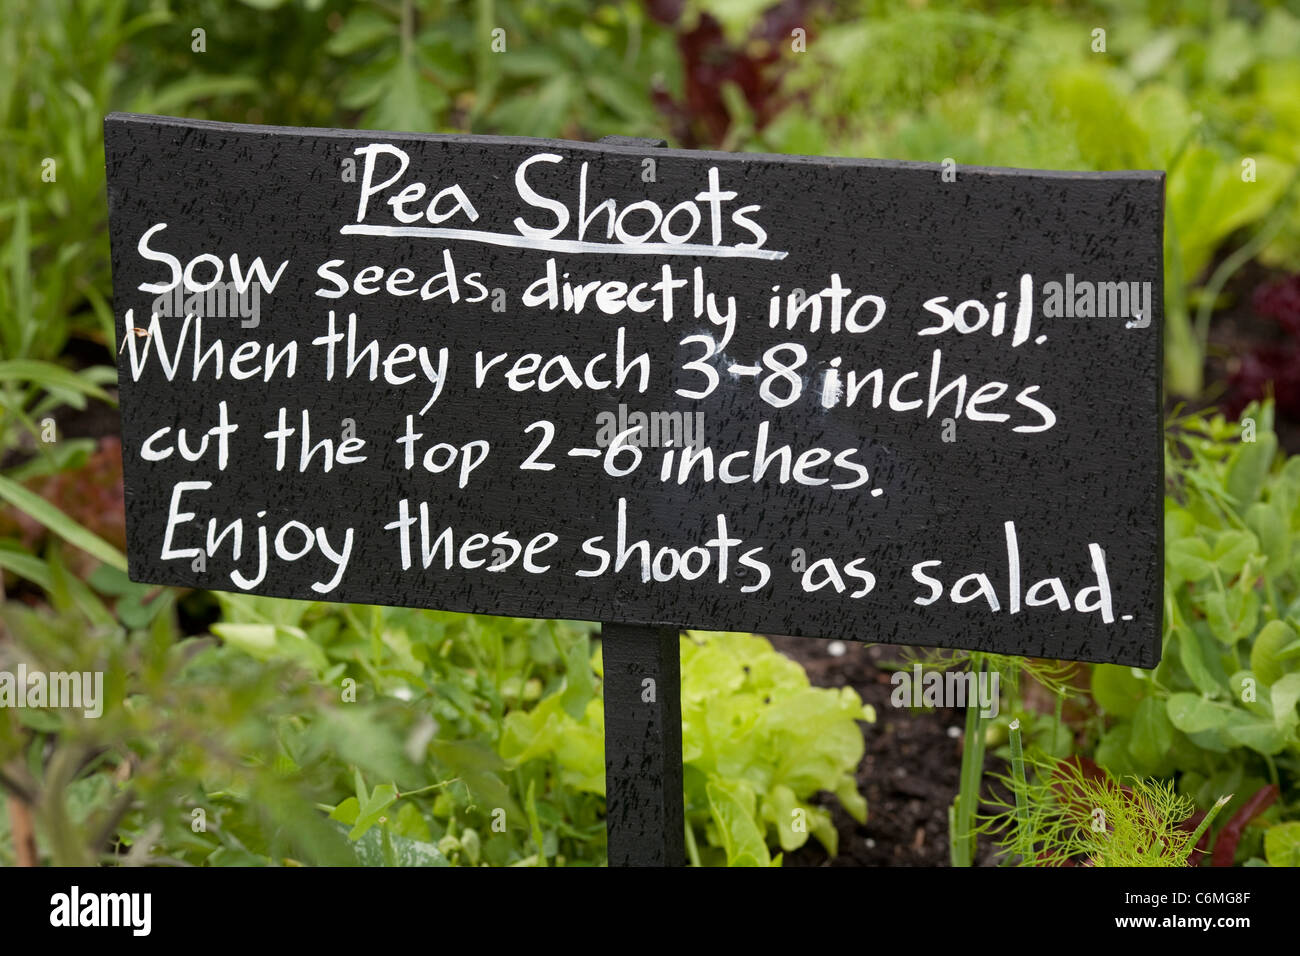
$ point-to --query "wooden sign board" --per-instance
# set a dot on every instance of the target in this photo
(842, 398)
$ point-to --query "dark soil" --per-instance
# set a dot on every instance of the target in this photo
(909, 774)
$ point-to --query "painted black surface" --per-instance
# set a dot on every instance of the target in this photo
(645, 818)
(896, 230)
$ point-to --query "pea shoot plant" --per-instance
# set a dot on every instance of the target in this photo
(1219, 713)
(1218, 716)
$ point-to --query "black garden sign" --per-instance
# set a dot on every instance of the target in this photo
(881, 401)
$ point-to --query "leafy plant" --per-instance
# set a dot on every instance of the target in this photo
(485, 734)
(186, 762)
(758, 742)
(553, 68)
(1208, 98)
(1220, 710)
(1067, 816)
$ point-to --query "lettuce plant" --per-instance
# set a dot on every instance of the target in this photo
(758, 743)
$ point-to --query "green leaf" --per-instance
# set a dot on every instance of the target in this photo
(378, 847)
(1285, 693)
(1153, 55)
(579, 682)
(1112, 751)
(363, 28)
(270, 642)
(782, 809)
(1231, 50)
(732, 806)
(1265, 652)
(347, 811)
(47, 514)
(25, 565)
(1116, 690)
(1270, 527)
(229, 856)
(1231, 613)
(1153, 735)
(1244, 688)
(822, 826)
(372, 808)
(1282, 844)
(618, 93)
(851, 798)
(481, 770)
(1190, 559)
(1249, 468)
(1192, 713)
(1262, 736)
(407, 103)
(202, 87)
(49, 375)
(1232, 550)
(1193, 653)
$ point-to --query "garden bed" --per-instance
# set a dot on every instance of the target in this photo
(909, 774)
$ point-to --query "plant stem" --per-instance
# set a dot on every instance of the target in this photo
(962, 821)
(402, 794)
(1205, 823)
(1023, 836)
(952, 835)
(692, 850)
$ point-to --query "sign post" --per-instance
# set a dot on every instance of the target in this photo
(644, 813)
(653, 388)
